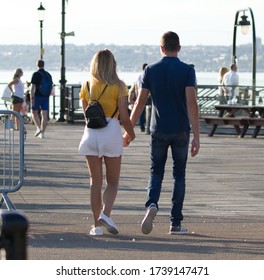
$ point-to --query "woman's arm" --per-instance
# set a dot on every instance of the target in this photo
(15, 81)
(125, 121)
(84, 106)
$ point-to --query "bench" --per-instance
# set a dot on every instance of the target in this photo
(215, 121)
(257, 122)
(237, 122)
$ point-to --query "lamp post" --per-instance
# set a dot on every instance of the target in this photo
(63, 80)
(245, 24)
(41, 12)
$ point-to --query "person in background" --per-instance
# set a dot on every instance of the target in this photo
(174, 112)
(132, 96)
(142, 119)
(38, 101)
(105, 145)
(231, 79)
(17, 88)
(222, 94)
(148, 113)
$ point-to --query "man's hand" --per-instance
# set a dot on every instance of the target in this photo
(195, 147)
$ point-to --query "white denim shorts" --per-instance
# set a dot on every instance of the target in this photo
(107, 141)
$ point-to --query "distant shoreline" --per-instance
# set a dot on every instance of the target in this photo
(128, 58)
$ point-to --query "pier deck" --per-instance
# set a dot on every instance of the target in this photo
(223, 207)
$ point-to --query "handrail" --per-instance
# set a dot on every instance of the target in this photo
(207, 96)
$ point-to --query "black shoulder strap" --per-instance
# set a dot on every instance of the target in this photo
(87, 83)
(42, 73)
(101, 92)
(114, 112)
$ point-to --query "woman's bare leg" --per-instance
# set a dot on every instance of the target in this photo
(113, 166)
(17, 107)
(96, 180)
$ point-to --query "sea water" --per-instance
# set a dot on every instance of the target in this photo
(79, 77)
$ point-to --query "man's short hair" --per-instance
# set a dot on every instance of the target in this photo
(41, 63)
(233, 66)
(170, 41)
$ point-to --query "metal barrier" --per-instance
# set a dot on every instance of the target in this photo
(73, 108)
(13, 231)
(11, 156)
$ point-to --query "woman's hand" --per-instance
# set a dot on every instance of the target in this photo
(126, 140)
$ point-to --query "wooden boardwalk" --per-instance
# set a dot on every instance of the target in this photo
(223, 208)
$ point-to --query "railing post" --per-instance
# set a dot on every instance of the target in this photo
(13, 230)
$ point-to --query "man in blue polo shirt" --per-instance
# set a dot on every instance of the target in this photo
(172, 85)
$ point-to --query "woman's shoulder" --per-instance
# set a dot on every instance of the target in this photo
(15, 81)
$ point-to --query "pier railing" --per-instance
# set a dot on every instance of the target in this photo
(207, 95)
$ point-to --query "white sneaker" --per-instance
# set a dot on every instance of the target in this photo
(41, 135)
(177, 230)
(96, 231)
(108, 223)
(147, 223)
(38, 131)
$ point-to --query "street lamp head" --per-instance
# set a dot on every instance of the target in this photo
(41, 12)
(244, 23)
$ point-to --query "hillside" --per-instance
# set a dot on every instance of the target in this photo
(129, 58)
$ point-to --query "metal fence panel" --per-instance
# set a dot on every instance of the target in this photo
(11, 156)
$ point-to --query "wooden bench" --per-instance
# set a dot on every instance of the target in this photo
(237, 122)
(215, 121)
(257, 122)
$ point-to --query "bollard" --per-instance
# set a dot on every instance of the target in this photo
(13, 231)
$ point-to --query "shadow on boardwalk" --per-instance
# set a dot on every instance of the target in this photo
(223, 206)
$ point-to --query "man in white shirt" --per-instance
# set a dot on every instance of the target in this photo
(231, 79)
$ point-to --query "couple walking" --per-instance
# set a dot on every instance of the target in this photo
(174, 113)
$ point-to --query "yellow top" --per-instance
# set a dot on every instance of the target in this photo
(108, 100)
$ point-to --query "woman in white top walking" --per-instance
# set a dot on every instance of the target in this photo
(17, 88)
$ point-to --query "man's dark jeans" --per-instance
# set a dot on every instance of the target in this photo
(160, 143)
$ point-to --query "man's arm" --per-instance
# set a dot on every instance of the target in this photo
(32, 93)
(193, 113)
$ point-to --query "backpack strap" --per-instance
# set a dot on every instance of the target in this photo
(100, 96)
(101, 92)
(114, 112)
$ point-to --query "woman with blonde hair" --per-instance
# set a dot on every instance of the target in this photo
(17, 88)
(222, 96)
(105, 145)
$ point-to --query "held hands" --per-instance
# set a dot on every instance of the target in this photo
(126, 140)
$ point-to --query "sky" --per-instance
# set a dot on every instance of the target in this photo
(122, 22)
